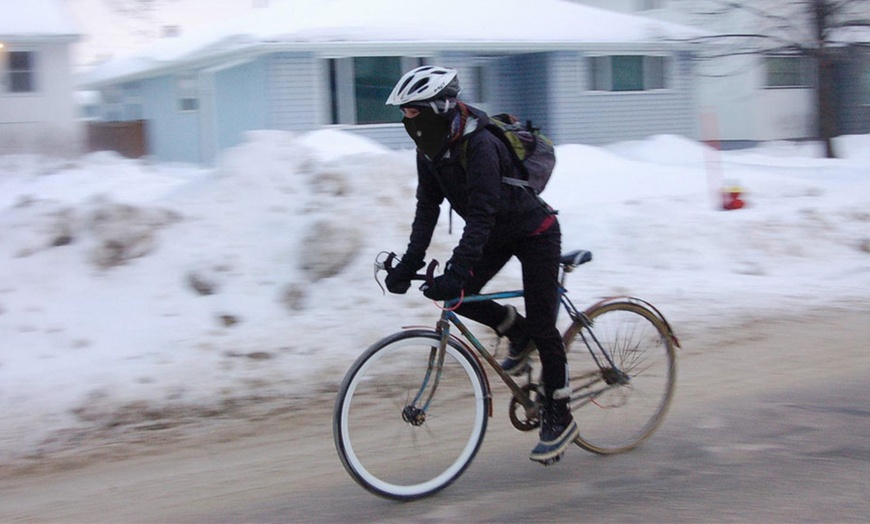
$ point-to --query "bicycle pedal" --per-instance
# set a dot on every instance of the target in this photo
(523, 369)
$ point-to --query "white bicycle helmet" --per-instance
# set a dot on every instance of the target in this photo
(424, 84)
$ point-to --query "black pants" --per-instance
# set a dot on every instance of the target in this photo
(539, 256)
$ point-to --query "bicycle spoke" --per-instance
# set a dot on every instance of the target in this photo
(407, 458)
(636, 392)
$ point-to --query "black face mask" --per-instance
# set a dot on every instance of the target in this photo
(428, 130)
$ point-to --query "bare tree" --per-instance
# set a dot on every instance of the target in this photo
(814, 29)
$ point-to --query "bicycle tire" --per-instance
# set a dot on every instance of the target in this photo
(619, 417)
(389, 456)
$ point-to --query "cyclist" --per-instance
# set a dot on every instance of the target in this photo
(458, 159)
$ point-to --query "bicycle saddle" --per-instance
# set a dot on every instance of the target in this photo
(575, 258)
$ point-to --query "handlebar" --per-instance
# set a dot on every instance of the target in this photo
(388, 265)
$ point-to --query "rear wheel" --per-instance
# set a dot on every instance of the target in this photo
(389, 439)
(619, 407)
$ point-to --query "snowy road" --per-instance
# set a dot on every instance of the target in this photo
(770, 423)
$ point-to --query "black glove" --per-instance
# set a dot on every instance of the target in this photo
(447, 286)
(399, 278)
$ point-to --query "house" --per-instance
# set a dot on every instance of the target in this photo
(586, 75)
(37, 109)
(852, 82)
(750, 96)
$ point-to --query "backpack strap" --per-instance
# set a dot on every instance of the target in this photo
(512, 181)
(519, 182)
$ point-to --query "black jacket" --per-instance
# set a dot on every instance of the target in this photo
(469, 175)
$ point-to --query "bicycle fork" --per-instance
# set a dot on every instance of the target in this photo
(415, 413)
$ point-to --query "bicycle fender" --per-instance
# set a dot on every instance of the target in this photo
(644, 304)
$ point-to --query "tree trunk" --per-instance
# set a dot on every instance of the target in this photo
(821, 12)
(827, 112)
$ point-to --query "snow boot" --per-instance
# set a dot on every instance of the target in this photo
(558, 428)
(521, 345)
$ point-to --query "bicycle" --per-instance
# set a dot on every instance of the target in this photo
(412, 411)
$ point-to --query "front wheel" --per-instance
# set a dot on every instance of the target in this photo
(619, 406)
(395, 439)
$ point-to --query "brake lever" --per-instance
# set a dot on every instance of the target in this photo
(385, 265)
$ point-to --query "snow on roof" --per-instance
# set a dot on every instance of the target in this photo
(506, 24)
(851, 35)
(36, 19)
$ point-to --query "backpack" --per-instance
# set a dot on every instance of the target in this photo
(533, 153)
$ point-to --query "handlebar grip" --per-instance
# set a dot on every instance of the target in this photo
(430, 271)
(429, 276)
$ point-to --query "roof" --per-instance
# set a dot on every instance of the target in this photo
(851, 35)
(36, 20)
(330, 25)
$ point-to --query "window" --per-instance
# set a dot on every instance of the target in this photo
(21, 68)
(478, 88)
(359, 87)
(374, 78)
(599, 73)
(333, 91)
(865, 85)
(788, 72)
(132, 102)
(113, 108)
(188, 99)
(628, 73)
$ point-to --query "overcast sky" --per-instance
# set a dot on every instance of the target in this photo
(108, 33)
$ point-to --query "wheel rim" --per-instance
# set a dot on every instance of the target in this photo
(630, 406)
(404, 475)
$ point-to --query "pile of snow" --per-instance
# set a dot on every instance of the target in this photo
(133, 292)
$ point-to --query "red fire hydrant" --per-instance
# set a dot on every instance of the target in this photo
(731, 198)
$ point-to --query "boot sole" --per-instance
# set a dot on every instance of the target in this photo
(554, 451)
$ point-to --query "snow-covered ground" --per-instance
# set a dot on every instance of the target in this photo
(131, 291)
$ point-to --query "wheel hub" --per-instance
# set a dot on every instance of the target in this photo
(614, 376)
(414, 415)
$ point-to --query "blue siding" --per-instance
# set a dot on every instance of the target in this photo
(240, 102)
(173, 135)
(523, 87)
(296, 91)
(588, 117)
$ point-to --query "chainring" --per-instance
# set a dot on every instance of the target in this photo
(517, 412)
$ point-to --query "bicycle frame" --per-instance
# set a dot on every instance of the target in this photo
(448, 317)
